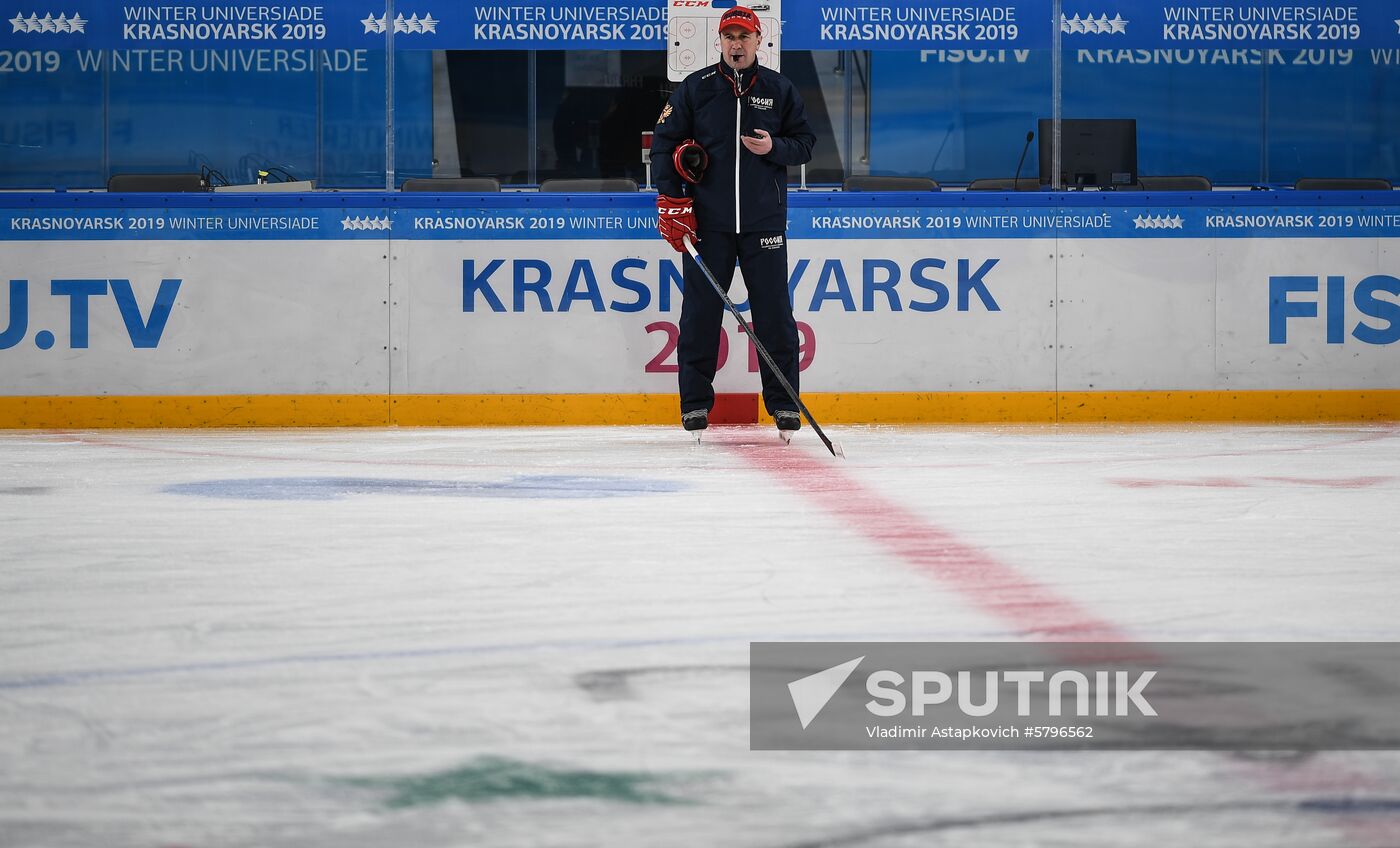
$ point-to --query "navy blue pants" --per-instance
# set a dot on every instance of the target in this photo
(763, 259)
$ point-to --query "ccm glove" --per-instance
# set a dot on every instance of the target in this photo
(675, 219)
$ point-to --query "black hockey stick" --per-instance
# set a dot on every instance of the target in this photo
(834, 447)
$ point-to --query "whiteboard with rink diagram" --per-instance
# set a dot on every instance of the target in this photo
(692, 37)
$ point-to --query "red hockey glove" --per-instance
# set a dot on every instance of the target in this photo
(691, 161)
(675, 219)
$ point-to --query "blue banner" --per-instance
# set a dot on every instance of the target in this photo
(917, 25)
(641, 24)
(106, 25)
(1260, 24)
(522, 25)
(234, 219)
(529, 217)
(416, 25)
(1156, 221)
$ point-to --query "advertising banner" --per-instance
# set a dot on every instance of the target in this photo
(193, 302)
(576, 294)
(585, 297)
(415, 25)
(575, 316)
(918, 25)
(1259, 24)
(554, 25)
(106, 25)
(641, 24)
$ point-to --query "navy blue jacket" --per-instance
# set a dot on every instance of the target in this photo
(740, 192)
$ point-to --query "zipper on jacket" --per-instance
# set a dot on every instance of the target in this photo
(738, 150)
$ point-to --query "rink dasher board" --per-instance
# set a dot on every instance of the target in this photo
(372, 298)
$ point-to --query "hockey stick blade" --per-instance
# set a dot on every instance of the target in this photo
(835, 448)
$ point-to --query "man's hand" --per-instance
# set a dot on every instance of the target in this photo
(759, 144)
(675, 219)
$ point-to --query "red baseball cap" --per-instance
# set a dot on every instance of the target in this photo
(739, 16)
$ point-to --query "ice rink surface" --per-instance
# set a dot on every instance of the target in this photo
(539, 637)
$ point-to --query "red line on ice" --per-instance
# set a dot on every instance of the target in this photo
(1032, 608)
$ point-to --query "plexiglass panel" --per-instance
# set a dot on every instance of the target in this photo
(1249, 93)
(1243, 94)
(229, 89)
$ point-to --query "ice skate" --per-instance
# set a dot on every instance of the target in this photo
(788, 422)
(696, 422)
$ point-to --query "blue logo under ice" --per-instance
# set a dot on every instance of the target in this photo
(412, 24)
(365, 223)
(1159, 222)
(1102, 25)
(48, 23)
(811, 694)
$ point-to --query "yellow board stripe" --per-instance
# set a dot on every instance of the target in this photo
(195, 411)
(1257, 406)
(928, 407)
(587, 409)
(526, 410)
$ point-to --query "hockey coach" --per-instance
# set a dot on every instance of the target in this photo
(720, 155)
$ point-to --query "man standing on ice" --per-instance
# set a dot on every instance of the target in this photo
(720, 156)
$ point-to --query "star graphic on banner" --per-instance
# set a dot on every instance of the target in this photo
(429, 23)
(1102, 25)
(17, 22)
(372, 24)
(1397, 26)
(1158, 222)
(364, 222)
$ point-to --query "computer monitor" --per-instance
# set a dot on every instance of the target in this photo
(1098, 152)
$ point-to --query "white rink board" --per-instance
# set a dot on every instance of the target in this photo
(863, 342)
(373, 302)
(1123, 326)
(1307, 361)
(256, 317)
